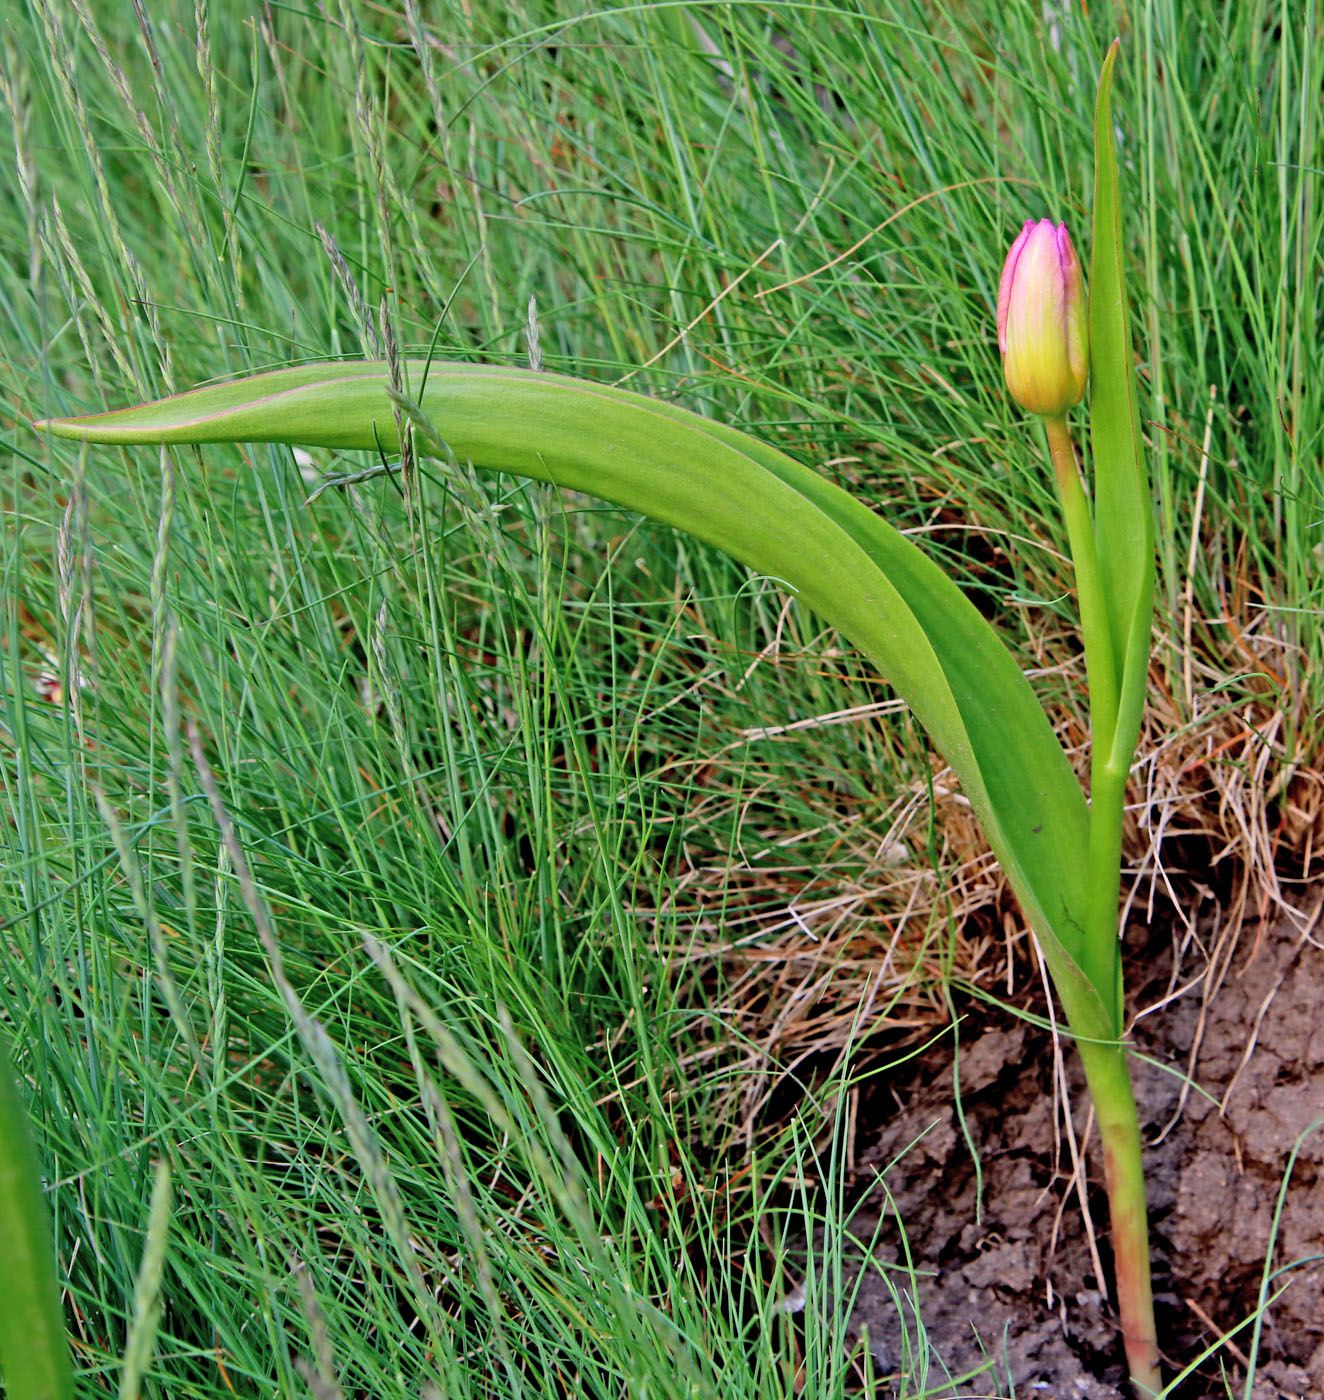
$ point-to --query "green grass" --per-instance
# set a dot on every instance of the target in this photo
(483, 780)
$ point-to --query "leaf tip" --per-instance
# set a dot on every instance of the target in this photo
(1109, 63)
(57, 427)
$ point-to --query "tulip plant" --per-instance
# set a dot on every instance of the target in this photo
(1061, 853)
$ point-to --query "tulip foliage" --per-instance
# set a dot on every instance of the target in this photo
(1060, 853)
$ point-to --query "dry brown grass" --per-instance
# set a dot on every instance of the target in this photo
(1224, 832)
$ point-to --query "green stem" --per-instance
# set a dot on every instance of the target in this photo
(1099, 953)
(1094, 623)
(1104, 1059)
(1119, 1130)
(1102, 949)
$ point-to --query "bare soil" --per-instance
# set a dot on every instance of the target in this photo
(1232, 1107)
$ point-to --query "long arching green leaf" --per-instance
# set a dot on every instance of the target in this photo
(766, 510)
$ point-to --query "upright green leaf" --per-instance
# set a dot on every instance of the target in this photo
(1123, 511)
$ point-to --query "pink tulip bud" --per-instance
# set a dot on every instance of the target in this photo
(1042, 328)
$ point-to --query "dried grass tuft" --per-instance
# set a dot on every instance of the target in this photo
(1224, 831)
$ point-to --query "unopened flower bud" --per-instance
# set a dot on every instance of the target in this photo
(1042, 329)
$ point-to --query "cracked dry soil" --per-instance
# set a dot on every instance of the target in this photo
(1235, 1096)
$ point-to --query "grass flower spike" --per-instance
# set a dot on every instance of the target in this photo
(1042, 329)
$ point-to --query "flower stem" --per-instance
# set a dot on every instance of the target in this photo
(1094, 624)
(1119, 1130)
(1107, 792)
(1105, 1060)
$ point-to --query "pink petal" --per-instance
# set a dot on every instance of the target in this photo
(1004, 287)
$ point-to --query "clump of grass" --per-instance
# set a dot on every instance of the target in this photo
(534, 758)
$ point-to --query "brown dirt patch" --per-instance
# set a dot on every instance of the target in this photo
(1235, 1096)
